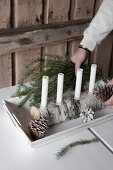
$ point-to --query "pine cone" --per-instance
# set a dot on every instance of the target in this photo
(38, 127)
(103, 92)
(87, 114)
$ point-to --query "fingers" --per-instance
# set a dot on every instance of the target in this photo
(111, 107)
(110, 82)
(78, 58)
(77, 66)
(109, 102)
(72, 59)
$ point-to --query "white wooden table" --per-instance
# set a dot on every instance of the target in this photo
(105, 133)
(16, 154)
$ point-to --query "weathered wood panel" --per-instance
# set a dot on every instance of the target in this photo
(5, 71)
(26, 12)
(56, 11)
(5, 60)
(73, 46)
(103, 54)
(111, 65)
(39, 36)
(80, 9)
(97, 5)
(23, 58)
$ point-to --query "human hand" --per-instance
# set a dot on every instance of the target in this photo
(78, 58)
(109, 102)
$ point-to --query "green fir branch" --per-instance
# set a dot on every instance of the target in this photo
(65, 149)
(50, 66)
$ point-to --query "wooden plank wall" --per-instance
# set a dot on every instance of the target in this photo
(26, 13)
(5, 60)
(80, 9)
(19, 13)
(111, 65)
(56, 11)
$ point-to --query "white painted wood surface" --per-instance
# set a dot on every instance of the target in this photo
(105, 132)
(15, 153)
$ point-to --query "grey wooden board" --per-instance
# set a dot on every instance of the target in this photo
(15, 153)
(105, 132)
(22, 39)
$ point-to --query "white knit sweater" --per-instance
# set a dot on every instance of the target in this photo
(100, 26)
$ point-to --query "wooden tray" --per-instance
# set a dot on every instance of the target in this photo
(20, 118)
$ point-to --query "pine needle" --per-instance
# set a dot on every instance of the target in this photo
(51, 66)
(65, 149)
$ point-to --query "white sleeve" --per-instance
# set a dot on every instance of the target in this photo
(100, 26)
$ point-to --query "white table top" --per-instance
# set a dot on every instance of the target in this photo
(16, 154)
(105, 131)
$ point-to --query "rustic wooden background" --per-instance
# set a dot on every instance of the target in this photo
(20, 13)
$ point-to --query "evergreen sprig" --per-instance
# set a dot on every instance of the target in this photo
(50, 66)
(65, 149)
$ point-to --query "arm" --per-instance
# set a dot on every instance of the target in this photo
(109, 102)
(99, 28)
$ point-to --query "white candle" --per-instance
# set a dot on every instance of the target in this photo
(60, 81)
(92, 77)
(45, 81)
(78, 84)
